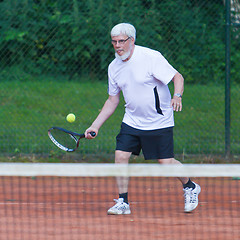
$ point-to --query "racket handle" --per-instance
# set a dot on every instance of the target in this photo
(93, 134)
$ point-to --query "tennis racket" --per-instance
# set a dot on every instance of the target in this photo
(66, 140)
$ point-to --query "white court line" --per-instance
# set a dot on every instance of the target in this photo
(92, 203)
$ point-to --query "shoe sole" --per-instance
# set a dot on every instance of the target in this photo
(115, 213)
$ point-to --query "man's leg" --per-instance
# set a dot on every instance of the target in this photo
(183, 180)
(191, 189)
(122, 182)
(121, 206)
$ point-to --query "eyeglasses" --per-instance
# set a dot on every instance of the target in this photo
(120, 42)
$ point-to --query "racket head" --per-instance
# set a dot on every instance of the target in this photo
(64, 139)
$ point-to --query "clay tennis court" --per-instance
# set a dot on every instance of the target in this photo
(47, 208)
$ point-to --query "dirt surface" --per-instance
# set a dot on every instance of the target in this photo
(46, 208)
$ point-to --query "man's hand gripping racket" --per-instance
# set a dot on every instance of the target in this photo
(66, 140)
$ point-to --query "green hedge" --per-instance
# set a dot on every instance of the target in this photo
(71, 38)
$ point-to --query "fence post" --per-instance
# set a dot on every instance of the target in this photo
(227, 81)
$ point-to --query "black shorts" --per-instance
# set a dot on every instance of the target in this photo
(155, 144)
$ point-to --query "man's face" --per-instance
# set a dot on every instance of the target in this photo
(123, 46)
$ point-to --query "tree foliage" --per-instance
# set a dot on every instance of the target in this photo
(72, 38)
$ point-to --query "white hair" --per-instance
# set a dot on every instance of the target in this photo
(124, 28)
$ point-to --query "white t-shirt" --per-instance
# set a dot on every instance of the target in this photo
(143, 80)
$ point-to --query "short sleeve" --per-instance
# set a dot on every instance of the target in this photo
(113, 88)
(161, 69)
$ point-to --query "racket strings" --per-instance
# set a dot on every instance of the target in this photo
(64, 139)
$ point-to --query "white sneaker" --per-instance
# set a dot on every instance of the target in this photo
(191, 198)
(119, 208)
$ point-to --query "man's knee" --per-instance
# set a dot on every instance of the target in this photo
(122, 157)
(168, 161)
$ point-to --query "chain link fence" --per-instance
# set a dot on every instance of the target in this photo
(54, 57)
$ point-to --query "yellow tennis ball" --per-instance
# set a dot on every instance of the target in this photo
(71, 117)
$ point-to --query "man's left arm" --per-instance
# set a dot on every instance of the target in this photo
(176, 101)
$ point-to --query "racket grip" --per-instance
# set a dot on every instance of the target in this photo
(93, 134)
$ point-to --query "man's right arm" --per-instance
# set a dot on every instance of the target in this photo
(107, 110)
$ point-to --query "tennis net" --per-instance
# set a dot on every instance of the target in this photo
(70, 201)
